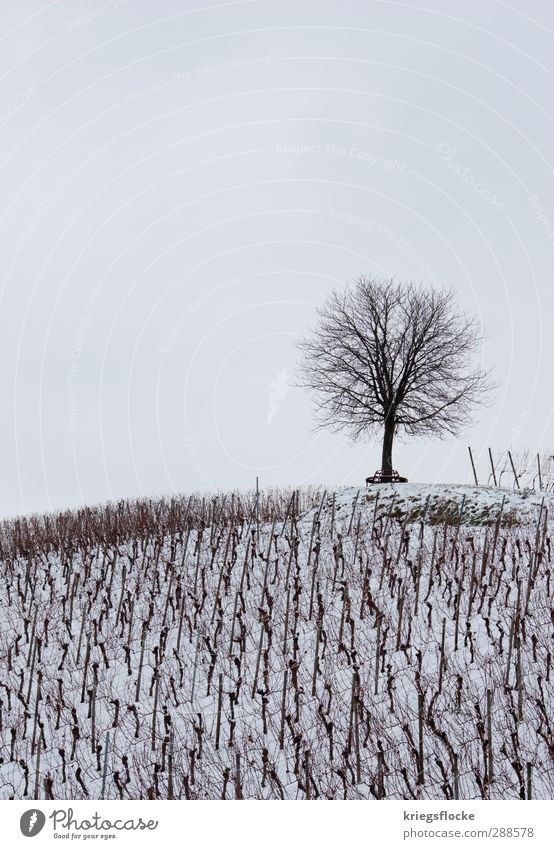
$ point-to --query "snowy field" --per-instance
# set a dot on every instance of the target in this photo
(395, 643)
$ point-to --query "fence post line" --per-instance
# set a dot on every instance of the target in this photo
(170, 794)
(257, 508)
(105, 769)
(37, 770)
(456, 789)
(380, 775)
(490, 765)
(420, 709)
(514, 469)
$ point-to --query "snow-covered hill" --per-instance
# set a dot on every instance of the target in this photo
(469, 505)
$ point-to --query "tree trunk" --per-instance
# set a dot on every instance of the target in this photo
(388, 437)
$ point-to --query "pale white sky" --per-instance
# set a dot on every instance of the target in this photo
(182, 184)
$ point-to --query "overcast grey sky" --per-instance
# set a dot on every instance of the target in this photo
(182, 184)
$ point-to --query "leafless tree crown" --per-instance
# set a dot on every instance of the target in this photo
(384, 350)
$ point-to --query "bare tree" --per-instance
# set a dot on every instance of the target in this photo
(393, 356)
